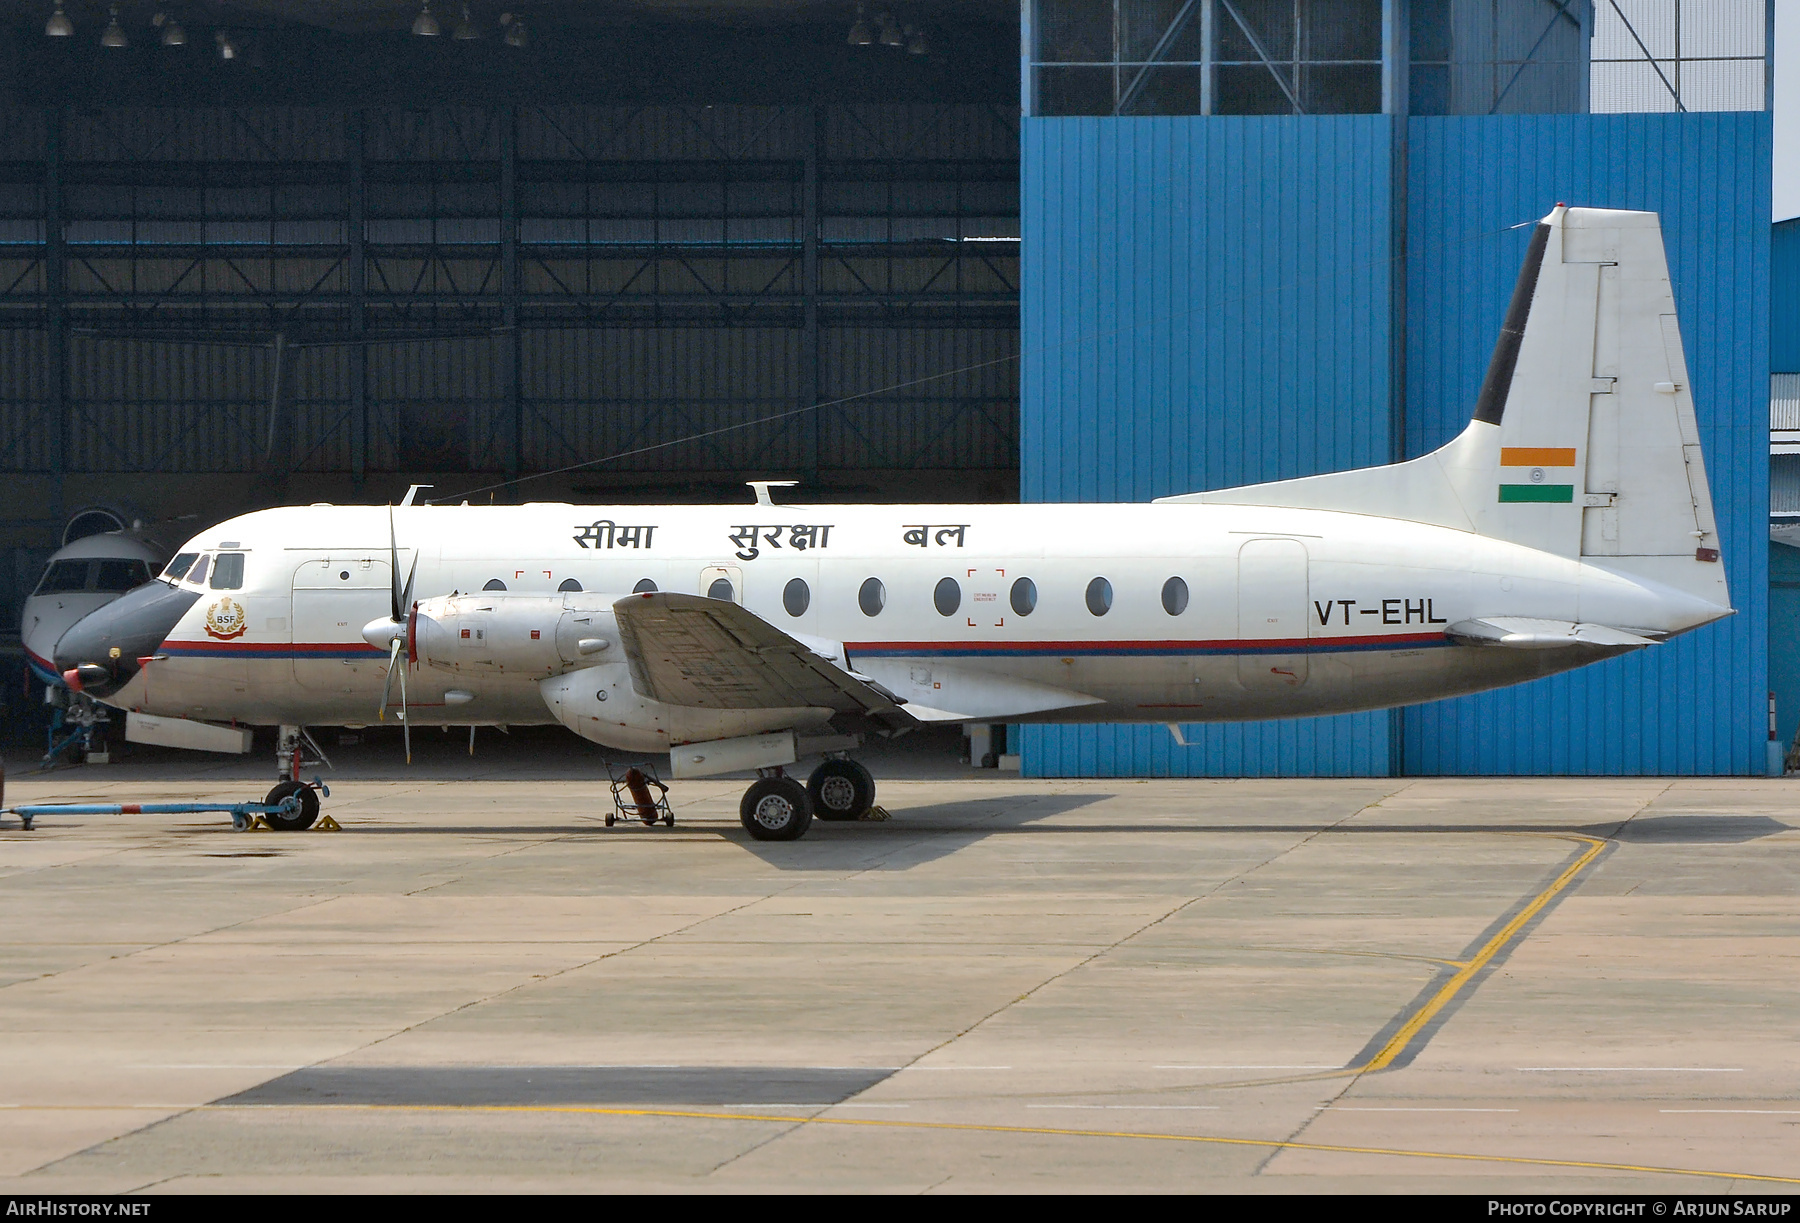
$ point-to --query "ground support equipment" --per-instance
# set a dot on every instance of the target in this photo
(289, 810)
(638, 794)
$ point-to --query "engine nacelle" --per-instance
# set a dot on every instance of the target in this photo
(495, 633)
(600, 704)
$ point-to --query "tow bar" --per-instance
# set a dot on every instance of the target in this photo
(243, 815)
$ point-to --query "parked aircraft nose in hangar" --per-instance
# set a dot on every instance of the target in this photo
(1568, 523)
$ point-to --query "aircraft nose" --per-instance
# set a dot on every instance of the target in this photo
(103, 647)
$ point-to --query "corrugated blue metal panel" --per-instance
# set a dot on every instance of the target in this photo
(1784, 637)
(1784, 298)
(1696, 705)
(1205, 303)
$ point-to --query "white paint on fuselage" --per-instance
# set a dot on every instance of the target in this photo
(1364, 626)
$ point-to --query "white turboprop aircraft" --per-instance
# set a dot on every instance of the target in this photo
(1568, 523)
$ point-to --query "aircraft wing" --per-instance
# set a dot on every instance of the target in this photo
(714, 654)
(1521, 633)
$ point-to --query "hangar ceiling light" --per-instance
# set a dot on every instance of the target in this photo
(915, 41)
(172, 33)
(860, 33)
(890, 31)
(516, 35)
(466, 29)
(425, 25)
(59, 25)
(227, 48)
(114, 34)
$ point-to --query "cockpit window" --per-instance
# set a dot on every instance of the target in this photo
(63, 576)
(116, 576)
(179, 566)
(197, 574)
(228, 574)
(112, 575)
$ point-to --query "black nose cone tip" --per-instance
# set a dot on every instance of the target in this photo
(113, 638)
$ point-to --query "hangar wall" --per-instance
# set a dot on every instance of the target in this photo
(1207, 304)
(1784, 473)
(1146, 372)
(1698, 704)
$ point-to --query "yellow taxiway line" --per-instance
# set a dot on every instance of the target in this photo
(1480, 960)
(1467, 971)
(971, 1127)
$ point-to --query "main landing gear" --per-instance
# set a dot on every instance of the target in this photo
(841, 790)
(778, 808)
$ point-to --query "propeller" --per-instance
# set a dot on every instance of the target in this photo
(401, 631)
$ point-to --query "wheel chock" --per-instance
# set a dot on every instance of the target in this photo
(259, 824)
(876, 814)
(327, 824)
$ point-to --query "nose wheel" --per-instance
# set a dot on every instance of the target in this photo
(841, 790)
(296, 821)
(776, 809)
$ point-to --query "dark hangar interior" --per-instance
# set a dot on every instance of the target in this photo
(304, 250)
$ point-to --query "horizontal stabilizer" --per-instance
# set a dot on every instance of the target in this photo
(1521, 633)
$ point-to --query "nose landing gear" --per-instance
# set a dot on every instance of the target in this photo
(295, 750)
(296, 821)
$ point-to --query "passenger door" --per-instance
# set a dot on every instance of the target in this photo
(334, 597)
(1272, 602)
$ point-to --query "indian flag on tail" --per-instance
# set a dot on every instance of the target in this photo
(1539, 465)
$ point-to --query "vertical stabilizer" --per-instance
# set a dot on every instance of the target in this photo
(1583, 441)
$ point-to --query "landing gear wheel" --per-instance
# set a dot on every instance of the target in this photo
(776, 809)
(841, 790)
(300, 820)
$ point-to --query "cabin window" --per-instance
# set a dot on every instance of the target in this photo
(197, 574)
(644, 587)
(795, 597)
(872, 597)
(118, 575)
(947, 597)
(1175, 596)
(720, 589)
(1099, 596)
(1024, 597)
(494, 584)
(228, 573)
(179, 566)
(570, 586)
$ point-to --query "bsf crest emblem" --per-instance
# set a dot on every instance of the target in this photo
(225, 620)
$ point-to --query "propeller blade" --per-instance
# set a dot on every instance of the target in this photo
(405, 722)
(387, 685)
(396, 602)
(406, 595)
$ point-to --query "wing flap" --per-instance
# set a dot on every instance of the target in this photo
(712, 654)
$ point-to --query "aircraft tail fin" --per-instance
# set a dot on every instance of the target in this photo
(1583, 441)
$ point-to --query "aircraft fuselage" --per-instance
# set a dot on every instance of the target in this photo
(1144, 613)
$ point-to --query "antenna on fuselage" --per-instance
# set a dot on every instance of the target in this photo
(761, 489)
